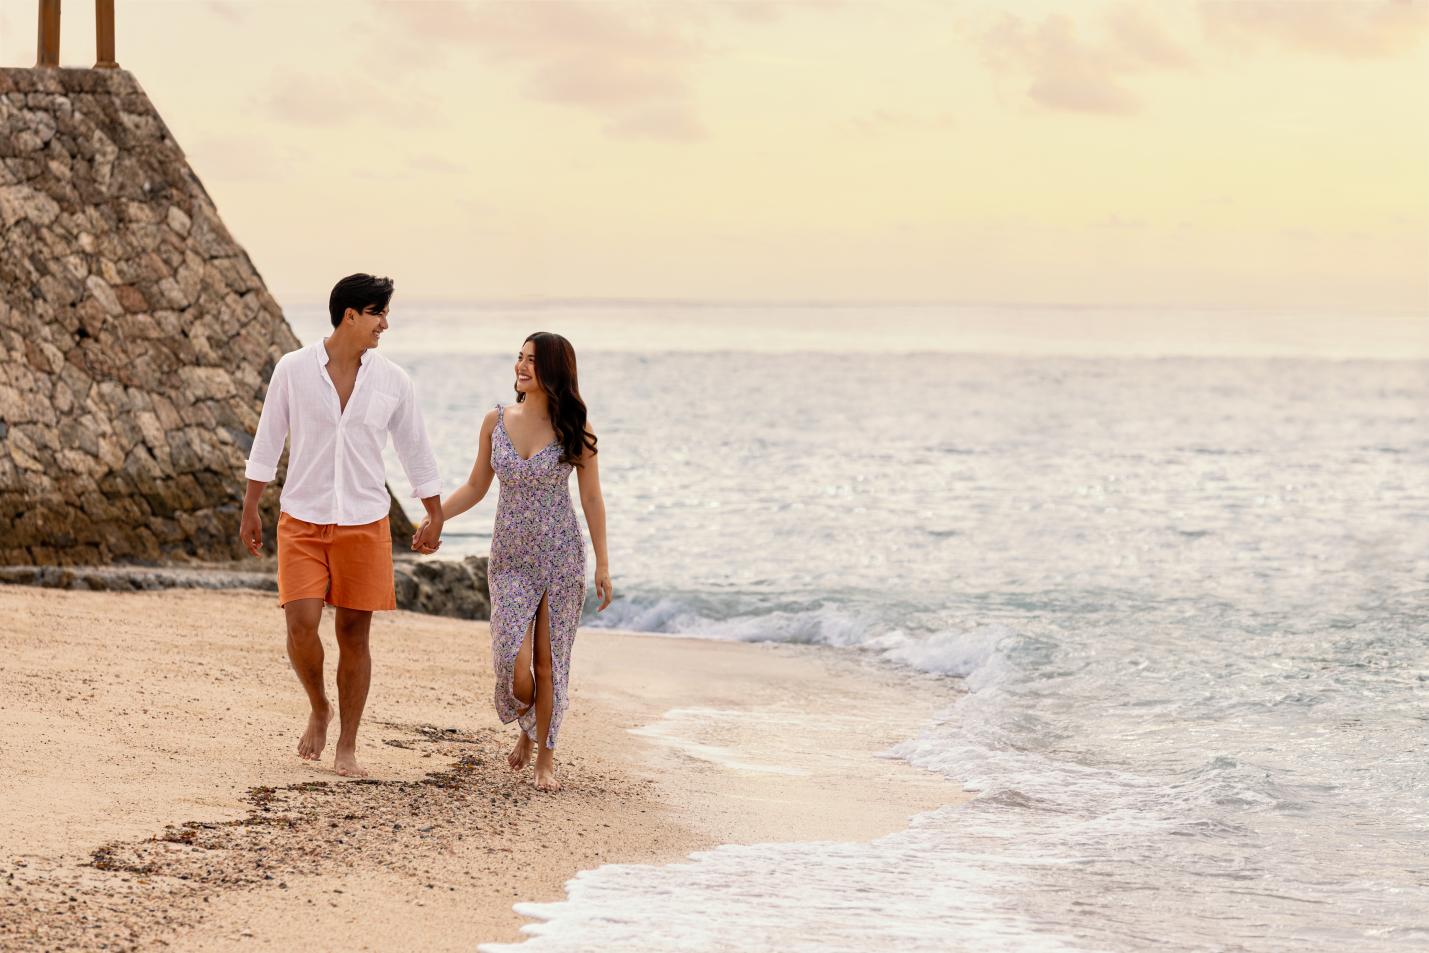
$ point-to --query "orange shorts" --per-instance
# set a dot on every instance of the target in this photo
(347, 566)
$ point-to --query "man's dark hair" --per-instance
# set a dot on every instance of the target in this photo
(360, 293)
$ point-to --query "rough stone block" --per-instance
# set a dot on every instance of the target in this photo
(19, 202)
(178, 220)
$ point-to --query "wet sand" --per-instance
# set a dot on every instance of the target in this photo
(153, 795)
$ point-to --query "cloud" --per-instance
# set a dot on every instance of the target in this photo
(768, 11)
(882, 121)
(233, 158)
(1117, 222)
(433, 163)
(227, 10)
(336, 100)
(657, 123)
(630, 65)
(1352, 30)
(1059, 69)
(1138, 40)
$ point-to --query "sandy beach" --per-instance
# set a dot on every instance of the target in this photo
(153, 795)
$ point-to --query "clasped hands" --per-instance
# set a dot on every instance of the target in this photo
(428, 537)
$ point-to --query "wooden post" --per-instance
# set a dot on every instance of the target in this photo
(104, 34)
(49, 45)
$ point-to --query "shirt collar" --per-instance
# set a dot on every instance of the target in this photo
(324, 357)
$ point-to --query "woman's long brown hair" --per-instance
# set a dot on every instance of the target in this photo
(556, 370)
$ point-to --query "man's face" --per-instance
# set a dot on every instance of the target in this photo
(369, 323)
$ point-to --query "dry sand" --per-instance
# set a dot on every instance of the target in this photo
(152, 796)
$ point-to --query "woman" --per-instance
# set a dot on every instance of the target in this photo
(537, 567)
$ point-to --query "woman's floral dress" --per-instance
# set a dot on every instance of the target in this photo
(536, 549)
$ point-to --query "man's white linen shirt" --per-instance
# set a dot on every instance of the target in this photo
(335, 468)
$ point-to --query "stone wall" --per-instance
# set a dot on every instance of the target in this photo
(136, 337)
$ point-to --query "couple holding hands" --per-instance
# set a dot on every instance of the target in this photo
(336, 401)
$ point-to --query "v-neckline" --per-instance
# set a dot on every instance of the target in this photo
(323, 361)
(507, 434)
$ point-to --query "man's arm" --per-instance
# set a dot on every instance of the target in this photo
(428, 537)
(263, 458)
(250, 528)
(414, 450)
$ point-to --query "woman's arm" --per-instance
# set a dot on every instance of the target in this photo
(479, 480)
(593, 503)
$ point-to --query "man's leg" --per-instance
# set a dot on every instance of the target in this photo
(305, 651)
(354, 674)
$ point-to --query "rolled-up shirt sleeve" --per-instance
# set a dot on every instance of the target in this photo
(272, 432)
(409, 437)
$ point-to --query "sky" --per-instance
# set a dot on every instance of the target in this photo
(1244, 154)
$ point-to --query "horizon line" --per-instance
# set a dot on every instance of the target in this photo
(543, 301)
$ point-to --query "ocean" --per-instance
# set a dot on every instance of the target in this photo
(1172, 568)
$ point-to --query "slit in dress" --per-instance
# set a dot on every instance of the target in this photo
(530, 628)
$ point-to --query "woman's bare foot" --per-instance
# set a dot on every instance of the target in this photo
(346, 763)
(314, 739)
(520, 755)
(546, 770)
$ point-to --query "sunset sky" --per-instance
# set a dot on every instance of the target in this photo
(1271, 155)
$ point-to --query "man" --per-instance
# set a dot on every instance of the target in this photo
(339, 399)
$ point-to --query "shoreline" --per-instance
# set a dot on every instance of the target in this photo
(454, 587)
(155, 792)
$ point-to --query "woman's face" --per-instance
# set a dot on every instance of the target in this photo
(526, 380)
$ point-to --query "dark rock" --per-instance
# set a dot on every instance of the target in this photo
(437, 587)
(135, 578)
(441, 587)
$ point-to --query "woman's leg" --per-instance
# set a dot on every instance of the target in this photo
(545, 700)
(523, 686)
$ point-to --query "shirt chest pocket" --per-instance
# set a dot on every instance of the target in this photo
(379, 411)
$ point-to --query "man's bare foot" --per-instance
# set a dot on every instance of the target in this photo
(520, 755)
(314, 739)
(546, 770)
(346, 764)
